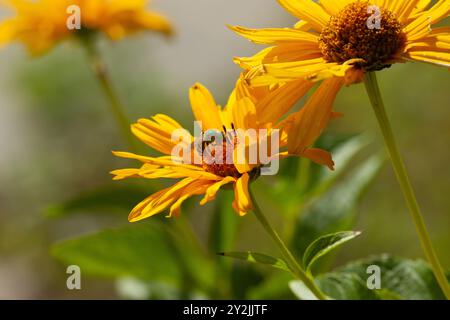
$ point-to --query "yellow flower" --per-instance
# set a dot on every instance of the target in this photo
(246, 109)
(41, 24)
(347, 38)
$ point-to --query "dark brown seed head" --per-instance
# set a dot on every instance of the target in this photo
(354, 34)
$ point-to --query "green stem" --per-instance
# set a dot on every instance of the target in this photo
(288, 256)
(101, 73)
(373, 91)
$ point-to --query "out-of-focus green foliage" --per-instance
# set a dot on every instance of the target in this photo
(400, 279)
(335, 210)
(109, 198)
(147, 251)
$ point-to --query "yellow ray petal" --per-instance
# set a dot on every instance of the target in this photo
(154, 21)
(157, 133)
(244, 114)
(161, 161)
(405, 8)
(276, 35)
(438, 39)
(242, 203)
(312, 69)
(176, 173)
(167, 167)
(421, 25)
(433, 57)
(421, 6)
(307, 10)
(281, 53)
(278, 102)
(319, 156)
(196, 188)
(333, 7)
(125, 173)
(213, 189)
(303, 25)
(205, 108)
(311, 120)
(161, 200)
(274, 73)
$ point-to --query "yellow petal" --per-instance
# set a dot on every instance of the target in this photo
(421, 25)
(167, 167)
(161, 200)
(154, 21)
(205, 108)
(244, 114)
(281, 53)
(125, 173)
(319, 156)
(213, 189)
(311, 120)
(433, 57)
(242, 201)
(404, 9)
(278, 102)
(196, 188)
(276, 35)
(333, 7)
(437, 40)
(307, 10)
(161, 161)
(157, 133)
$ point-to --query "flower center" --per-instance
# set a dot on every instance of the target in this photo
(216, 150)
(217, 154)
(217, 160)
(361, 31)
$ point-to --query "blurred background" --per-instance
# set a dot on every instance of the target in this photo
(56, 137)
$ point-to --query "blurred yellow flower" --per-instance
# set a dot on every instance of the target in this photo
(41, 24)
(347, 38)
(246, 109)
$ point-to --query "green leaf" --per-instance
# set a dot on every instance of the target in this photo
(255, 257)
(336, 210)
(143, 251)
(345, 286)
(400, 279)
(117, 197)
(325, 244)
(410, 279)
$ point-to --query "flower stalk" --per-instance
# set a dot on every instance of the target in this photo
(374, 94)
(293, 265)
(102, 76)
